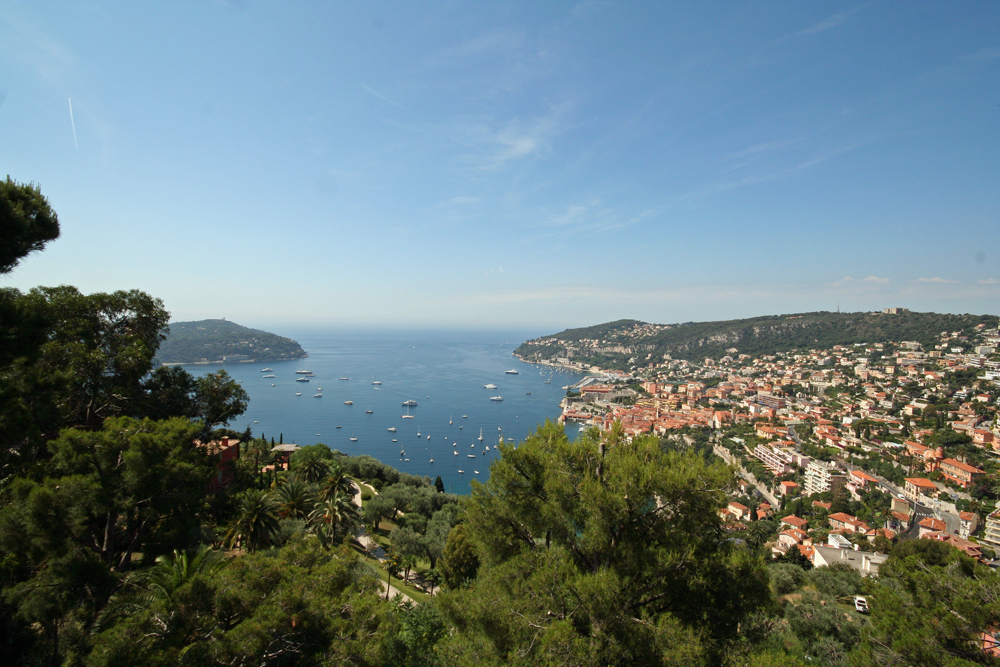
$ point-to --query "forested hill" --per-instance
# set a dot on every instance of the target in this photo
(613, 344)
(211, 340)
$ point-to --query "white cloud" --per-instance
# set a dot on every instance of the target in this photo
(989, 281)
(937, 279)
(875, 279)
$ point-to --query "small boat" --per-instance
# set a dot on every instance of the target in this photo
(487, 448)
(511, 372)
(465, 416)
(272, 375)
(454, 444)
(529, 393)
(345, 378)
(395, 440)
(318, 434)
(410, 403)
(348, 402)
(461, 472)
(408, 417)
(255, 421)
(391, 429)
(480, 438)
(459, 426)
(266, 370)
(428, 437)
(406, 459)
(476, 472)
(472, 456)
(353, 439)
(450, 422)
(317, 395)
(456, 453)
(368, 412)
(272, 384)
(303, 372)
(339, 426)
(432, 460)
(376, 381)
(402, 452)
(549, 381)
(489, 386)
(298, 393)
(302, 379)
(319, 388)
(496, 398)
(472, 445)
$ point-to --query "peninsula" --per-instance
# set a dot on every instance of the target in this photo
(217, 341)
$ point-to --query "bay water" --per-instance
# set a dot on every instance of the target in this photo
(443, 371)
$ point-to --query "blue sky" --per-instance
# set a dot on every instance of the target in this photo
(519, 164)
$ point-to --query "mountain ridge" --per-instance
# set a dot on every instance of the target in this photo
(623, 343)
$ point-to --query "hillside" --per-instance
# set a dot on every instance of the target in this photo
(211, 340)
(614, 344)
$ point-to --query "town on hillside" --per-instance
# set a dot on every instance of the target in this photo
(841, 452)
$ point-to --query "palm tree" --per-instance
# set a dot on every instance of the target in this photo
(294, 500)
(336, 480)
(312, 469)
(333, 514)
(141, 590)
(256, 522)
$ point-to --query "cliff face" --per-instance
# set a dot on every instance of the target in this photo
(624, 342)
(211, 340)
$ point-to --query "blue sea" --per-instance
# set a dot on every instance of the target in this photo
(443, 371)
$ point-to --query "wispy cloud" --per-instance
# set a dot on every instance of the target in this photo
(500, 41)
(937, 279)
(869, 282)
(984, 54)
(826, 24)
(989, 281)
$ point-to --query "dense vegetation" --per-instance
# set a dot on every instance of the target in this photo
(755, 336)
(125, 541)
(211, 340)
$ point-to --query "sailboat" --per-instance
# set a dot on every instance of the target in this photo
(376, 381)
(408, 415)
(480, 434)
(450, 422)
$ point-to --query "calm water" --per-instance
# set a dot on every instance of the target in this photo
(443, 371)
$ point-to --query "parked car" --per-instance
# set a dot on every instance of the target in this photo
(861, 604)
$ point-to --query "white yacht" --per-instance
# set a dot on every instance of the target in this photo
(489, 386)
(496, 398)
(348, 402)
(391, 429)
(410, 403)
(512, 372)
(376, 382)
(304, 372)
(266, 370)
(269, 375)
(298, 393)
(317, 395)
(302, 379)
